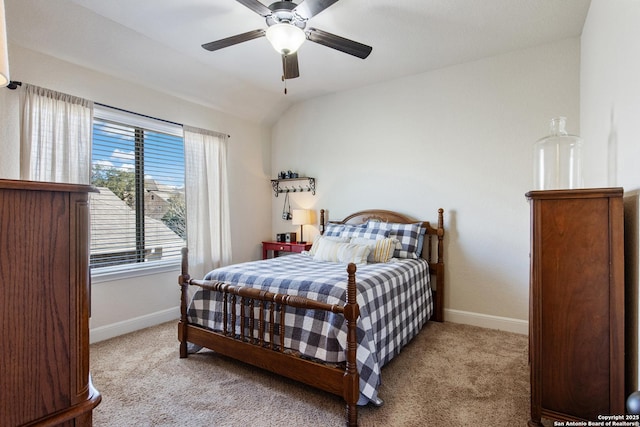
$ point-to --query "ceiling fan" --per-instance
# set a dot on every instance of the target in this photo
(287, 30)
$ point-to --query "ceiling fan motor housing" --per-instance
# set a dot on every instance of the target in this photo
(282, 12)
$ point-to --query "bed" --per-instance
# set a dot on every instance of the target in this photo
(306, 317)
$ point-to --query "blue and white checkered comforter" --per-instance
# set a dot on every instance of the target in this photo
(395, 301)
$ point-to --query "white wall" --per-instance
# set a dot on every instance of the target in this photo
(460, 138)
(125, 305)
(610, 112)
(610, 90)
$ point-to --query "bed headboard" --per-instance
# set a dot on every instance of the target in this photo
(432, 251)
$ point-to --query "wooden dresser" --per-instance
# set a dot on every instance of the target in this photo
(44, 305)
(576, 319)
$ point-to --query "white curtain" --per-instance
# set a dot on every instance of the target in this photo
(56, 137)
(208, 229)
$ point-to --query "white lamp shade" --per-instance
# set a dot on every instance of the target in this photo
(301, 217)
(4, 56)
(285, 38)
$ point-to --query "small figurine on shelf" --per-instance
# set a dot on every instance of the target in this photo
(288, 175)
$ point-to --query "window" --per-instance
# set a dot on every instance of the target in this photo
(138, 220)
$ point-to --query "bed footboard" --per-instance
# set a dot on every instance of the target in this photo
(255, 335)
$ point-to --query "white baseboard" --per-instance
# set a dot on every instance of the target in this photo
(130, 325)
(487, 321)
(456, 316)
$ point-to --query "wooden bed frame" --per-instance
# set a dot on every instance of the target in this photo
(340, 380)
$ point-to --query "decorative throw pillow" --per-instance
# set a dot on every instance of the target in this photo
(366, 233)
(381, 250)
(333, 230)
(316, 242)
(423, 231)
(407, 235)
(329, 250)
(343, 230)
(356, 254)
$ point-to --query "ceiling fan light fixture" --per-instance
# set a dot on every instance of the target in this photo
(285, 38)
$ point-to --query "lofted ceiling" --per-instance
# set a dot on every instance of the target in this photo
(157, 43)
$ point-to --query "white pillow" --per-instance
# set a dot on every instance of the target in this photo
(332, 251)
(316, 242)
(381, 250)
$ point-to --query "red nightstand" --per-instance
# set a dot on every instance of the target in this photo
(283, 247)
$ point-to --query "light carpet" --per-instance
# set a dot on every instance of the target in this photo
(449, 375)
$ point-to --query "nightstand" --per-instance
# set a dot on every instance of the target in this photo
(277, 247)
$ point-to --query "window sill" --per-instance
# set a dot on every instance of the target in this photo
(110, 274)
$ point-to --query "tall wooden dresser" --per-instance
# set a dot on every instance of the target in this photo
(576, 319)
(44, 302)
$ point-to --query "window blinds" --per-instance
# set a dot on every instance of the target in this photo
(138, 166)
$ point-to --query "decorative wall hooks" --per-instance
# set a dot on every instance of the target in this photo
(288, 186)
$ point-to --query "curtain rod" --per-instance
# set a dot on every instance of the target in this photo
(14, 85)
(144, 115)
(138, 114)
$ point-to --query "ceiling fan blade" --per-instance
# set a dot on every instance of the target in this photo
(256, 6)
(290, 66)
(310, 8)
(230, 41)
(339, 43)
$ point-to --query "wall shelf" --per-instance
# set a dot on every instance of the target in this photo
(289, 185)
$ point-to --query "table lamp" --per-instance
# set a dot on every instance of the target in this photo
(301, 217)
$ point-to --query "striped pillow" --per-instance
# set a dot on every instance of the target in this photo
(381, 249)
(333, 251)
(316, 242)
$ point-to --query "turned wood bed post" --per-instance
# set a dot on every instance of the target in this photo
(183, 281)
(351, 377)
(439, 317)
(440, 233)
